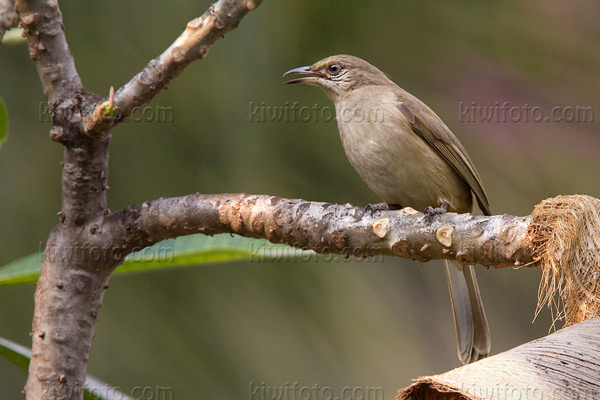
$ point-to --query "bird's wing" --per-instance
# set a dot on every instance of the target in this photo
(432, 129)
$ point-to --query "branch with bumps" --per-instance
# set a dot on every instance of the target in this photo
(192, 44)
(497, 241)
(70, 290)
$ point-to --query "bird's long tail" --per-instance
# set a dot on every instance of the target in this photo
(472, 332)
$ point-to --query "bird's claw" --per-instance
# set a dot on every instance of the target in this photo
(371, 209)
(431, 212)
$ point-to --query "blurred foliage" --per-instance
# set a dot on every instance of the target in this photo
(3, 123)
(380, 323)
(14, 37)
(186, 251)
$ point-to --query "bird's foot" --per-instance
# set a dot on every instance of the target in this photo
(374, 208)
(431, 212)
(371, 209)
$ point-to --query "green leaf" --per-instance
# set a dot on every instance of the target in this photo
(95, 389)
(15, 353)
(14, 36)
(23, 270)
(184, 251)
(3, 123)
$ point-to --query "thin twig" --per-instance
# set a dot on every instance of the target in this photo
(192, 44)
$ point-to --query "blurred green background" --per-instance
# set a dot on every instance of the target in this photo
(216, 329)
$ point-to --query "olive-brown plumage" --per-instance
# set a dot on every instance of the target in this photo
(407, 155)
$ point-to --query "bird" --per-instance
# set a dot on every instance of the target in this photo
(407, 155)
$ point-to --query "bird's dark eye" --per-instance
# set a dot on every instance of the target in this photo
(334, 69)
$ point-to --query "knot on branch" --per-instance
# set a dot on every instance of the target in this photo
(68, 117)
(564, 237)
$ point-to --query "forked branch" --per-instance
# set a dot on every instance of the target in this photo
(71, 286)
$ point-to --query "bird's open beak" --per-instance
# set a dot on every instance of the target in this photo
(303, 71)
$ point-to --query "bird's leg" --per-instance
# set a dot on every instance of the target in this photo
(431, 212)
(373, 208)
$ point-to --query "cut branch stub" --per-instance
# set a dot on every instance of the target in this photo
(497, 241)
(381, 227)
(444, 235)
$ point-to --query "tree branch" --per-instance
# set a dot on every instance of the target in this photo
(78, 257)
(497, 241)
(193, 44)
(80, 252)
(8, 16)
(43, 25)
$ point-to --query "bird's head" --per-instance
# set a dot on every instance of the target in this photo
(338, 75)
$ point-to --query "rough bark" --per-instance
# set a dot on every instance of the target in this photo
(42, 23)
(69, 291)
(79, 257)
(72, 280)
(89, 242)
(497, 241)
(563, 366)
(193, 44)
